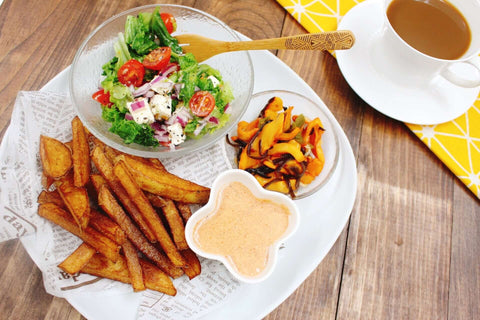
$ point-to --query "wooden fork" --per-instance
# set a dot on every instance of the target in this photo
(204, 48)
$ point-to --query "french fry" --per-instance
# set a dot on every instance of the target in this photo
(105, 167)
(149, 214)
(47, 181)
(80, 154)
(193, 267)
(110, 205)
(157, 163)
(51, 196)
(108, 227)
(156, 201)
(100, 266)
(57, 215)
(133, 265)
(154, 278)
(97, 181)
(76, 199)
(129, 190)
(56, 158)
(160, 182)
(77, 259)
(175, 222)
(185, 210)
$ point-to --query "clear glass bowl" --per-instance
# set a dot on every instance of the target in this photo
(85, 76)
(311, 110)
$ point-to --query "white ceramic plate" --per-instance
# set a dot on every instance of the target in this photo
(318, 231)
(437, 103)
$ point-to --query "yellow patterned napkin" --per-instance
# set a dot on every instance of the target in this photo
(456, 143)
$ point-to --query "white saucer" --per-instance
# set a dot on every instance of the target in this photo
(437, 103)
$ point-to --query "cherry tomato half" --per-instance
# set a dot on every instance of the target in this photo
(169, 21)
(102, 97)
(158, 58)
(202, 103)
(131, 73)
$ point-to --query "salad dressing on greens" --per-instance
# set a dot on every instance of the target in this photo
(152, 93)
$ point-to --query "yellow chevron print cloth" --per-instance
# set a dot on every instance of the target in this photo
(456, 143)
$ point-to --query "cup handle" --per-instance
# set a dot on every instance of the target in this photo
(454, 78)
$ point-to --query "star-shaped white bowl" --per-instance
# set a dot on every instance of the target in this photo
(206, 212)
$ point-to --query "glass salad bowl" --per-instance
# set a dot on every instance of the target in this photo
(86, 74)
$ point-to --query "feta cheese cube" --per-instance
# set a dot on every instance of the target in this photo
(140, 111)
(161, 106)
(175, 133)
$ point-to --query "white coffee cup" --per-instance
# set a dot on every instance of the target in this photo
(397, 60)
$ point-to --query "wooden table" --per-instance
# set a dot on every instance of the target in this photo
(411, 248)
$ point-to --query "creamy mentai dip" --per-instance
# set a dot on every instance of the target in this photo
(241, 228)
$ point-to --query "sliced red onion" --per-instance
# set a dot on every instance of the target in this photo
(142, 90)
(162, 137)
(213, 120)
(156, 126)
(169, 69)
(149, 94)
(183, 116)
(156, 79)
(199, 128)
(128, 116)
(226, 107)
(177, 87)
(139, 104)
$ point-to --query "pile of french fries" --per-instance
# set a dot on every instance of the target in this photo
(129, 211)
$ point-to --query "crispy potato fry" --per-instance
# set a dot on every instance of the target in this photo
(160, 182)
(97, 181)
(157, 163)
(149, 214)
(108, 227)
(154, 278)
(193, 267)
(56, 158)
(133, 265)
(76, 199)
(111, 153)
(105, 167)
(185, 211)
(79, 258)
(81, 154)
(47, 181)
(175, 222)
(123, 223)
(57, 215)
(156, 201)
(100, 266)
(51, 196)
(110, 205)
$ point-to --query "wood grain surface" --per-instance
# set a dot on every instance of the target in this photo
(411, 249)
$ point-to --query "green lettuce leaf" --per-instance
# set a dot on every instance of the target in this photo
(129, 130)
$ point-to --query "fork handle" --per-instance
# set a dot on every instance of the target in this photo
(332, 40)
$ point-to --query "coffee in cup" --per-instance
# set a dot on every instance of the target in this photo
(423, 40)
(434, 27)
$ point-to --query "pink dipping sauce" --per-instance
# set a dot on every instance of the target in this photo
(241, 228)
